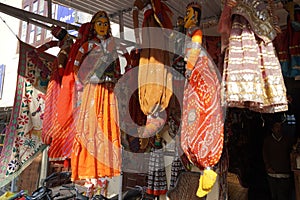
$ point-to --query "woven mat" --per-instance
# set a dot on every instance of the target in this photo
(185, 187)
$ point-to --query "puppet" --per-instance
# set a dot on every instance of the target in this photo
(202, 118)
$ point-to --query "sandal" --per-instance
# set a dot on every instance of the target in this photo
(153, 126)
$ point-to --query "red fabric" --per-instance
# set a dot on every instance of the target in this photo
(65, 98)
(225, 24)
(281, 44)
(202, 119)
(162, 14)
(65, 101)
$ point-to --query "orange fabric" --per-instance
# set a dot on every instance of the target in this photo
(53, 133)
(63, 128)
(96, 150)
(197, 36)
(154, 78)
(65, 98)
(194, 52)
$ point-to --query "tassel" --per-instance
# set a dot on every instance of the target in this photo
(206, 182)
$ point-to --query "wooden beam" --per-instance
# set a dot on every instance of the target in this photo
(33, 18)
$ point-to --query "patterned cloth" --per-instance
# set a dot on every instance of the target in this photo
(23, 135)
(252, 76)
(96, 148)
(176, 168)
(53, 133)
(202, 119)
(157, 179)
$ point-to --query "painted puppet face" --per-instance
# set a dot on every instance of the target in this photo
(101, 26)
(190, 18)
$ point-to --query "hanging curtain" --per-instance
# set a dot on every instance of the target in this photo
(23, 135)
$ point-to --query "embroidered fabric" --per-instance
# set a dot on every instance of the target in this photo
(259, 17)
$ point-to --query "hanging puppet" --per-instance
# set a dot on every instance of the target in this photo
(53, 134)
(202, 119)
(154, 77)
(96, 148)
(252, 76)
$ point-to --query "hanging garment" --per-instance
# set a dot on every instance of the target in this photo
(131, 115)
(23, 135)
(252, 76)
(154, 79)
(96, 149)
(202, 119)
(64, 129)
(176, 168)
(53, 134)
(157, 180)
(281, 44)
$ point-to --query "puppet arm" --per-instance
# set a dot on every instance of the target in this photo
(194, 52)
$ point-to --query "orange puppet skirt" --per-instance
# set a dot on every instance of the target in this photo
(96, 149)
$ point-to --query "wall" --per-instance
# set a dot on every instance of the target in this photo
(8, 56)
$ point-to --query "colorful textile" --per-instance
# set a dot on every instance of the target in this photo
(65, 99)
(154, 78)
(157, 180)
(252, 76)
(23, 136)
(202, 119)
(96, 150)
(53, 134)
(97, 144)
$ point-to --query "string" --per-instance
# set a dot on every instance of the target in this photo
(10, 28)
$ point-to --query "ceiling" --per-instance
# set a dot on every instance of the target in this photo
(120, 11)
(211, 9)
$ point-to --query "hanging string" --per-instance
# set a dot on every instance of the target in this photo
(10, 28)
